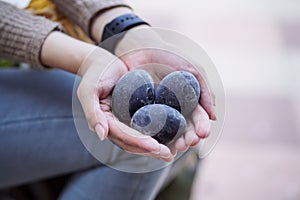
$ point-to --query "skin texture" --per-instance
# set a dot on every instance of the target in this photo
(63, 52)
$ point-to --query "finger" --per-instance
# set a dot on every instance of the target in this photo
(90, 104)
(180, 144)
(207, 102)
(207, 99)
(166, 156)
(105, 104)
(173, 149)
(190, 133)
(133, 138)
(129, 148)
(195, 141)
(169, 159)
(164, 153)
(201, 122)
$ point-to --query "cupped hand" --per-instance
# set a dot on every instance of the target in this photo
(198, 124)
(100, 71)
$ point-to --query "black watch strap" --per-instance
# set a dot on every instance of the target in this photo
(120, 24)
(117, 26)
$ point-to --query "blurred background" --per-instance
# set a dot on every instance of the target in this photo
(255, 46)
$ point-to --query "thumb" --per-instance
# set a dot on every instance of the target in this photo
(201, 122)
(94, 115)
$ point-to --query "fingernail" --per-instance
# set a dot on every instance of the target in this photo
(213, 115)
(174, 154)
(100, 132)
(165, 152)
(169, 159)
(156, 152)
(166, 157)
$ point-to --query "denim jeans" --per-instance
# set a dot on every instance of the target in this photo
(39, 141)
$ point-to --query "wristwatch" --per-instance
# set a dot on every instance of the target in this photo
(116, 28)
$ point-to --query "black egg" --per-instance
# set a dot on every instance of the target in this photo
(162, 122)
(180, 90)
(133, 91)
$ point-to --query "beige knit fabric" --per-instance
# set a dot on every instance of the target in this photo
(81, 12)
(22, 34)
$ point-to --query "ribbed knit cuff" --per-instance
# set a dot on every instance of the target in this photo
(22, 35)
(81, 12)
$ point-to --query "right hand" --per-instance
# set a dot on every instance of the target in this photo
(164, 61)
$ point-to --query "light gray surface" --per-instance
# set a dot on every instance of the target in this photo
(256, 47)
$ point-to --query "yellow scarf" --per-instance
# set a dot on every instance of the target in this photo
(47, 9)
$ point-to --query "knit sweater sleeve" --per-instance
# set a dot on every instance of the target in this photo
(22, 34)
(81, 12)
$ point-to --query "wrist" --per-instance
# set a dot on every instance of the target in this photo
(139, 37)
(103, 18)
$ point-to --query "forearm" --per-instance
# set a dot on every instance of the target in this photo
(64, 52)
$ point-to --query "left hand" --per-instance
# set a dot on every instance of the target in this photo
(198, 124)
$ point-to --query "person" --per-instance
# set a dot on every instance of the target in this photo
(38, 136)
